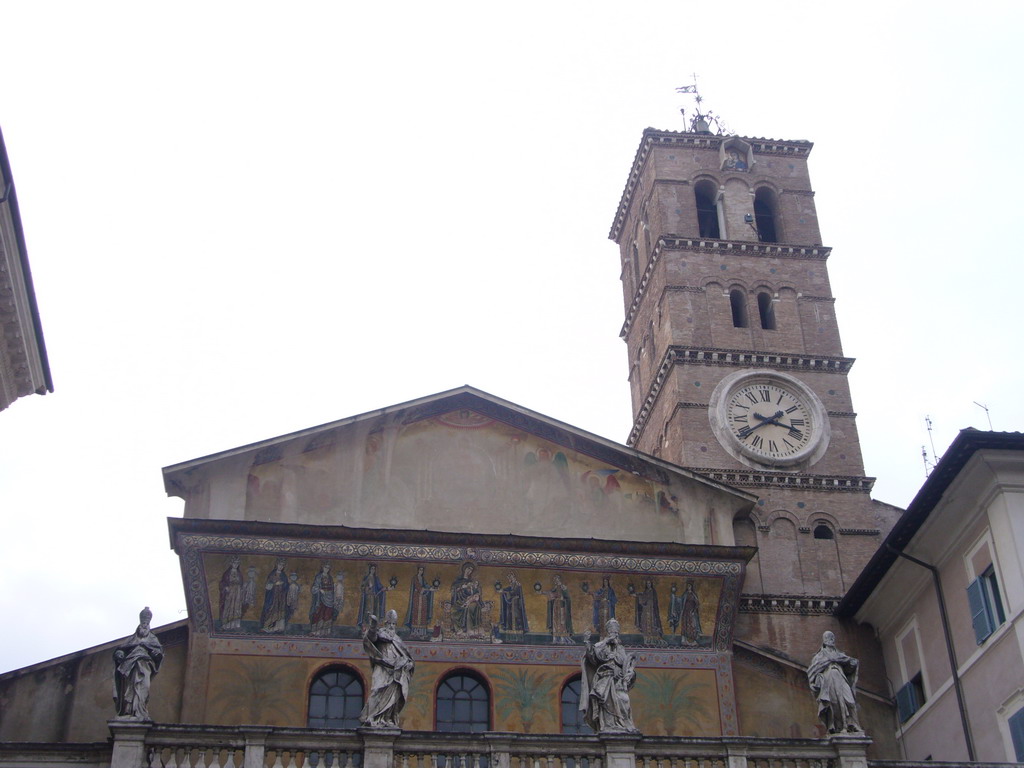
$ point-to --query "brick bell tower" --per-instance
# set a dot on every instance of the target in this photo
(735, 363)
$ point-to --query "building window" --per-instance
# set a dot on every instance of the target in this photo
(463, 704)
(1016, 723)
(335, 699)
(572, 718)
(910, 698)
(706, 194)
(765, 215)
(738, 302)
(822, 531)
(766, 308)
(986, 605)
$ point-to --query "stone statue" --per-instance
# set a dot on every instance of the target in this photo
(136, 660)
(833, 678)
(608, 674)
(392, 668)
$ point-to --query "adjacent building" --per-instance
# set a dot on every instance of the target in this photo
(945, 593)
(24, 368)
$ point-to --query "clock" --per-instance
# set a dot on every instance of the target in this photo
(769, 418)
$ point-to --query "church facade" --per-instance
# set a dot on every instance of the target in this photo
(721, 537)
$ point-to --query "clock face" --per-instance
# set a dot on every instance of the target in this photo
(769, 418)
(770, 421)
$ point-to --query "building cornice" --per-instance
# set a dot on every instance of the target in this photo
(653, 137)
(738, 358)
(753, 478)
(707, 245)
(823, 605)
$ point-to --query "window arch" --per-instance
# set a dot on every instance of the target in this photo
(335, 699)
(706, 195)
(766, 309)
(766, 215)
(463, 703)
(823, 531)
(738, 303)
(572, 718)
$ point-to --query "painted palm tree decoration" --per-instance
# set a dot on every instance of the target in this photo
(531, 694)
(670, 701)
(255, 693)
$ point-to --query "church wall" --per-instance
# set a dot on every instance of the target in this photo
(463, 472)
(70, 699)
(525, 698)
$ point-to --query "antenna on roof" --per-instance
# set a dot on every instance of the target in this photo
(929, 465)
(702, 120)
(987, 415)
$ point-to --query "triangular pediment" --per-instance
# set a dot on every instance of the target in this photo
(461, 461)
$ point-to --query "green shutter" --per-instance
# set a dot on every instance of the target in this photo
(981, 618)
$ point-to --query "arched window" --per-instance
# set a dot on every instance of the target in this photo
(765, 215)
(463, 704)
(706, 194)
(738, 302)
(822, 531)
(335, 699)
(766, 309)
(572, 718)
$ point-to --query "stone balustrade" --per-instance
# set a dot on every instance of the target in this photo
(146, 745)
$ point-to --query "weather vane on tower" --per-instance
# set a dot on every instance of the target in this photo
(702, 120)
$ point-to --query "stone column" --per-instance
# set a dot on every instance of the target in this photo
(851, 750)
(737, 755)
(501, 748)
(379, 746)
(129, 749)
(619, 749)
(255, 746)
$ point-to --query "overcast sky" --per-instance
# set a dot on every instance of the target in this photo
(246, 219)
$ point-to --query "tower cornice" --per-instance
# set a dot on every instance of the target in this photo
(653, 137)
(738, 358)
(707, 245)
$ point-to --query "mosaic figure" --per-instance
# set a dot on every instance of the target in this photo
(135, 662)
(608, 674)
(249, 590)
(833, 679)
(391, 672)
(648, 619)
(275, 600)
(291, 602)
(372, 596)
(231, 596)
(513, 609)
(324, 608)
(559, 612)
(421, 605)
(604, 605)
(466, 596)
(687, 615)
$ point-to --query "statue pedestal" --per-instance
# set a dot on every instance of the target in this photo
(619, 749)
(129, 748)
(851, 749)
(379, 746)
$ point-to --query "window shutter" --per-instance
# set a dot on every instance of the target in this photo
(906, 702)
(980, 618)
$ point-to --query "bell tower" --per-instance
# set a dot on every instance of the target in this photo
(736, 367)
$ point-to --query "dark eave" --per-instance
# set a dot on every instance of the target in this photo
(966, 444)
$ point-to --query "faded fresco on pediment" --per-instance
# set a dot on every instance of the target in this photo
(465, 601)
(457, 471)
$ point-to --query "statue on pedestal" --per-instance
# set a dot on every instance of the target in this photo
(608, 674)
(833, 679)
(135, 662)
(392, 668)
